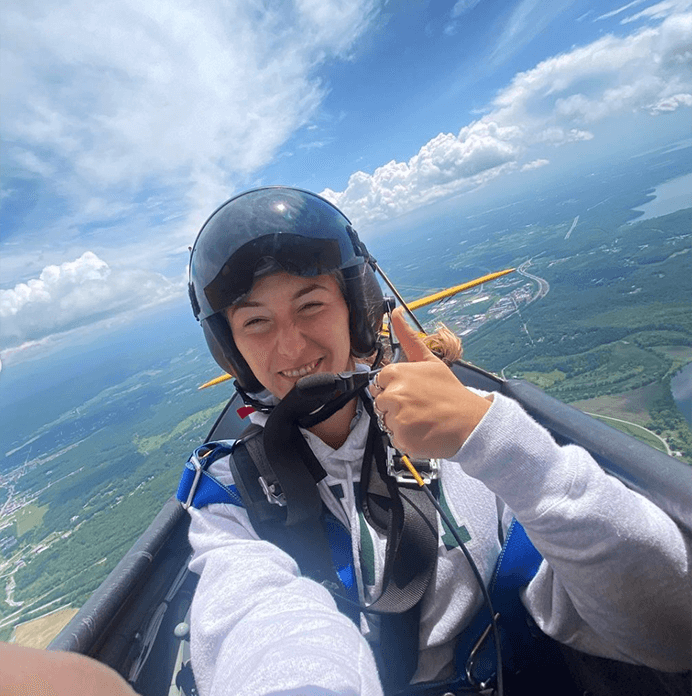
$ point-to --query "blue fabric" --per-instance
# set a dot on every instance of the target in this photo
(341, 549)
(209, 489)
(517, 564)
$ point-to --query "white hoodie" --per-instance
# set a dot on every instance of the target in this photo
(615, 579)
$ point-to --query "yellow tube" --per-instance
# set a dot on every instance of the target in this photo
(215, 381)
(436, 297)
(412, 469)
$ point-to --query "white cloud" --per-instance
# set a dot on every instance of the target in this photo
(535, 164)
(129, 93)
(446, 164)
(74, 294)
(557, 102)
(463, 6)
(619, 10)
(460, 8)
(671, 103)
(125, 122)
(527, 22)
(659, 11)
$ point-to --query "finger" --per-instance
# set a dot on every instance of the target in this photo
(411, 341)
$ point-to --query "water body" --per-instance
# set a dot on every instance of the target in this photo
(681, 386)
(672, 195)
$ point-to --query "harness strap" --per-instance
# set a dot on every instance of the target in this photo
(411, 552)
(409, 519)
(283, 444)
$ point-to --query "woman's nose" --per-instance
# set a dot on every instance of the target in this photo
(290, 341)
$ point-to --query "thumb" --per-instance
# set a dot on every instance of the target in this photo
(411, 341)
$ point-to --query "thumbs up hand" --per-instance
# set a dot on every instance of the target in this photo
(428, 411)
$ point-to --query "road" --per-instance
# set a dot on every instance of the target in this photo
(574, 224)
(543, 284)
(669, 452)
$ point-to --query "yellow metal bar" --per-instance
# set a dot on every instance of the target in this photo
(215, 381)
(436, 297)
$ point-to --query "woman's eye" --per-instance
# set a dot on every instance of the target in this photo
(308, 306)
(254, 322)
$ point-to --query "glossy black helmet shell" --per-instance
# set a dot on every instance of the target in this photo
(272, 229)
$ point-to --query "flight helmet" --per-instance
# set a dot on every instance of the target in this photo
(273, 229)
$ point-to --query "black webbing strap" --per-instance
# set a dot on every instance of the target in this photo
(306, 542)
(401, 511)
(412, 537)
(409, 519)
(295, 467)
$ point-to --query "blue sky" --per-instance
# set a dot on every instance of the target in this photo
(126, 123)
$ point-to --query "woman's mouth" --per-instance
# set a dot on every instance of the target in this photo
(301, 371)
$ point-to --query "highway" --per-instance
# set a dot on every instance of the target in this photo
(543, 284)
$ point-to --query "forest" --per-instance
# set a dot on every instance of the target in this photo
(613, 325)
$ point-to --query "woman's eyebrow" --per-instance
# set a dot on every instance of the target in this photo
(307, 289)
(244, 303)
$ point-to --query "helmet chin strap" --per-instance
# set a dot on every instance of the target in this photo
(323, 393)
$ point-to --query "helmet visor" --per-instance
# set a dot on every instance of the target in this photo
(263, 231)
(281, 252)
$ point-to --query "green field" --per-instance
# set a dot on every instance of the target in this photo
(105, 485)
(632, 406)
(28, 517)
(635, 431)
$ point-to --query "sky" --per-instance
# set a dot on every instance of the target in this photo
(125, 124)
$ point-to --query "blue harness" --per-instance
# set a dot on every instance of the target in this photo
(517, 564)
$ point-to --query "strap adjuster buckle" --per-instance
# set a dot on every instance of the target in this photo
(429, 469)
(273, 492)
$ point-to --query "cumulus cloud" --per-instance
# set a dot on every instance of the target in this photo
(557, 102)
(442, 166)
(74, 294)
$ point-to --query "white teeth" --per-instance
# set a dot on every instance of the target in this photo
(305, 370)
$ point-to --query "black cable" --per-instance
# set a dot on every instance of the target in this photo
(479, 579)
(402, 302)
(484, 590)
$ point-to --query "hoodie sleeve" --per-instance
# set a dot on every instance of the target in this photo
(258, 627)
(616, 577)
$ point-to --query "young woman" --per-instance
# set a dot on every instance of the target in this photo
(284, 289)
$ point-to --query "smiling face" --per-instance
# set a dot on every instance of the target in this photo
(289, 327)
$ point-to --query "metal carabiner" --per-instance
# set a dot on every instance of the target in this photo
(199, 468)
(471, 662)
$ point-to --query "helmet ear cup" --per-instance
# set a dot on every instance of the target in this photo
(223, 349)
(366, 308)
